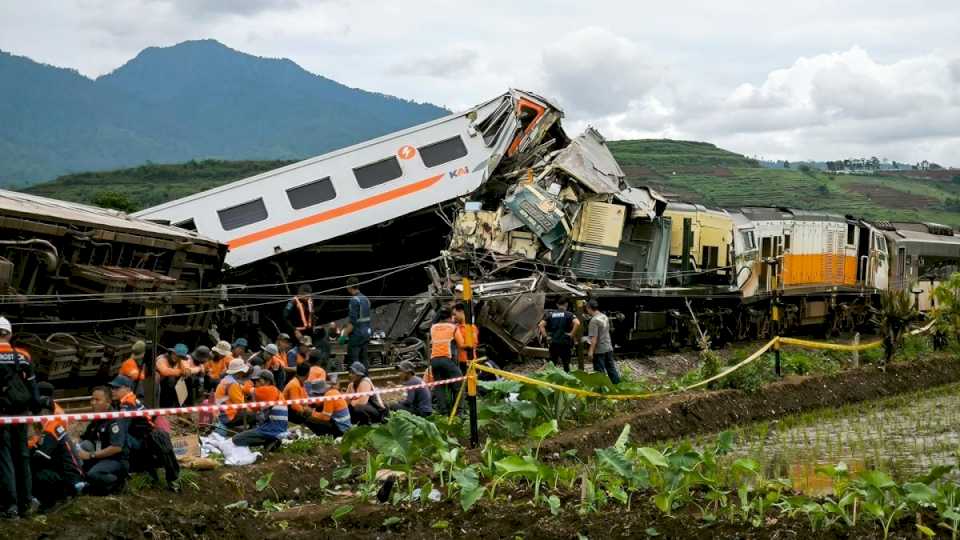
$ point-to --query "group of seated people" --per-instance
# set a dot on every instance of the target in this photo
(105, 454)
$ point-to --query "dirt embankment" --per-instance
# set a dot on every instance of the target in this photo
(705, 412)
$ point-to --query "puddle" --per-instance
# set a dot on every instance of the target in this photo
(904, 436)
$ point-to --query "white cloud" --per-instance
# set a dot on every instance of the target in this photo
(455, 61)
(597, 72)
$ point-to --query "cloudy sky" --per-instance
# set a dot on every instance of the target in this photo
(770, 78)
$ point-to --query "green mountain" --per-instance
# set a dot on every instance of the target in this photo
(682, 170)
(195, 100)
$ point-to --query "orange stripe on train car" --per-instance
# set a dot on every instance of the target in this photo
(327, 215)
(809, 269)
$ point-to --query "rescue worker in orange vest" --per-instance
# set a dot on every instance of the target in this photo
(19, 396)
(230, 391)
(442, 365)
(317, 372)
(302, 414)
(466, 341)
(170, 369)
(276, 364)
(132, 368)
(272, 424)
(299, 312)
(334, 416)
(150, 448)
(57, 473)
(216, 367)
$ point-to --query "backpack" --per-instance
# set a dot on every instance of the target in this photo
(16, 397)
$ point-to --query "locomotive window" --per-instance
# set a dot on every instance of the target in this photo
(310, 194)
(378, 172)
(786, 242)
(851, 234)
(749, 242)
(710, 256)
(242, 214)
(443, 151)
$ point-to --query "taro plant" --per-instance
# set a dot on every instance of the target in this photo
(893, 317)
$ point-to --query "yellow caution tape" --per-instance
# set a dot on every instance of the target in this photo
(776, 341)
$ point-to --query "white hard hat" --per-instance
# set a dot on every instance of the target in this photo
(5, 326)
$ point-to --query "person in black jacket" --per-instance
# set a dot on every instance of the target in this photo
(104, 449)
(57, 473)
(18, 396)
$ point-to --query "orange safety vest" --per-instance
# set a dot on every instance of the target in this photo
(306, 316)
(222, 395)
(466, 341)
(132, 370)
(441, 336)
(277, 361)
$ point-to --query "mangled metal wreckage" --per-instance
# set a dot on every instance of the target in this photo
(500, 190)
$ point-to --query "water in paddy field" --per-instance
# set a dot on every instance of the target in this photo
(903, 435)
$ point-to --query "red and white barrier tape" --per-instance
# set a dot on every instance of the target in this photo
(86, 417)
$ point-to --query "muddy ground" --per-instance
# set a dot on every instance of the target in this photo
(198, 512)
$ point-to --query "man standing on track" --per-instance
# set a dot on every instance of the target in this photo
(560, 325)
(601, 346)
(357, 332)
(18, 396)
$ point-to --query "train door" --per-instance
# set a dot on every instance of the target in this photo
(879, 260)
(864, 277)
(900, 277)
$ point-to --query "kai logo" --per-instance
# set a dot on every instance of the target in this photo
(462, 171)
(406, 152)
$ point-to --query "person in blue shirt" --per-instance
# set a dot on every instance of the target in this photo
(356, 334)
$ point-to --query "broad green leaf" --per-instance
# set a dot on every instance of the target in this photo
(651, 531)
(663, 502)
(467, 477)
(927, 531)
(920, 493)
(554, 503)
(614, 460)
(725, 442)
(341, 511)
(264, 481)
(502, 386)
(747, 465)
(936, 473)
(342, 473)
(469, 497)
(518, 465)
(951, 515)
(653, 456)
(391, 521)
(877, 479)
(355, 437)
(874, 509)
(593, 381)
(623, 439)
(544, 430)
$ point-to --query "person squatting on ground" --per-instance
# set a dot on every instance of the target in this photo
(601, 346)
(18, 396)
(149, 448)
(560, 326)
(103, 448)
(57, 473)
(230, 391)
(133, 369)
(216, 367)
(364, 409)
(332, 415)
(442, 351)
(305, 415)
(272, 421)
(356, 334)
(418, 400)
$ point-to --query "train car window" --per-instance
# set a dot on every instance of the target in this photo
(851, 234)
(749, 241)
(786, 242)
(242, 214)
(315, 192)
(378, 172)
(189, 225)
(709, 257)
(442, 152)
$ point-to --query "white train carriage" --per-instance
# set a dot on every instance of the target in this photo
(923, 255)
(348, 190)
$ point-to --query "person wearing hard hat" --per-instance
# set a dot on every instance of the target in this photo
(230, 391)
(216, 367)
(19, 397)
(132, 367)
